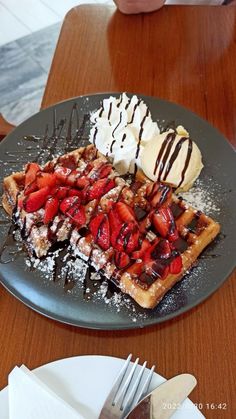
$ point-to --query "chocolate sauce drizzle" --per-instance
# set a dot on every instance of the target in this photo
(165, 158)
(141, 132)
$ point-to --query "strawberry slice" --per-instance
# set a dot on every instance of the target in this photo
(82, 182)
(105, 170)
(121, 259)
(159, 194)
(77, 216)
(71, 207)
(131, 240)
(36, 200)
(100, 188)
(31, 187)
(173, 234)
(60, 192)
(100, 229)
(115, 227)
(125, 212)
(126, 237)
(164, 223)
(31, 172)
(136, 269)
(138, 254)
(147, 257)
(46, 179)
(69, 203)
(102, 171)
(51, 209)
(157, 269)
(162, 250)
(176, 264)
(74, 192)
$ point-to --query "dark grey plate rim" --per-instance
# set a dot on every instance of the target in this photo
(121, 326)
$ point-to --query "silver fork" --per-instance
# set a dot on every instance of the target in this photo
(127, 390)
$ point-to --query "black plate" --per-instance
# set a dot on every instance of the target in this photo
(67, 124)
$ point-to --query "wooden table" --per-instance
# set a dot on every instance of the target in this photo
(186, 55)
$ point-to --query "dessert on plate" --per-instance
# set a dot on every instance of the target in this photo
(140, 235)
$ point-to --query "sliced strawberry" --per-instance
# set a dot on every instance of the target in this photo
(138, 254)
(131, 240)
(176, 264)
(71, 207)
(100, 229)
(46, 179)
(82, 182)
(36, 200)
(115, 227)
(31, 187)
(125, 212)
(102, 171)
(107, 205)
(173, 234)
(51, 209)
(136, 269)
(100, 188)
(74, 192)
(60, 192)
(77, 215)
(160, 195)
(30, 174)
(62, 173)
(105, 170)
(162, 250)
(147, 257)
(121, 259)
(70, 203)
(163, 221)
(157, 269)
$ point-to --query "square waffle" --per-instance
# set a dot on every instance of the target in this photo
(140, 235)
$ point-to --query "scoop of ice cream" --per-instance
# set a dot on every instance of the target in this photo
(173, 158)
(121, 128)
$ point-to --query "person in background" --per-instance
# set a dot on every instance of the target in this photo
(140, 6)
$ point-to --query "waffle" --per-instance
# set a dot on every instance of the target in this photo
(140, 235)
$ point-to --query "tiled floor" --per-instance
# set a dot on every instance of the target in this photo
(25, 62)
(23, 17)
(24, 67)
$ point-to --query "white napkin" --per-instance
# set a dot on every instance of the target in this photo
(30, 398)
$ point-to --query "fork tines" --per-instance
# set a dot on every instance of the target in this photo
(131, 384)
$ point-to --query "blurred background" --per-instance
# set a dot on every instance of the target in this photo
(29, 31)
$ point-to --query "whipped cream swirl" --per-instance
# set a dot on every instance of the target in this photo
(121, 129)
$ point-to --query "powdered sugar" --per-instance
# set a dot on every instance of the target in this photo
(203, 196)
(63, 267)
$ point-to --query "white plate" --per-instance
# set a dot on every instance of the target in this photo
(85, 381)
